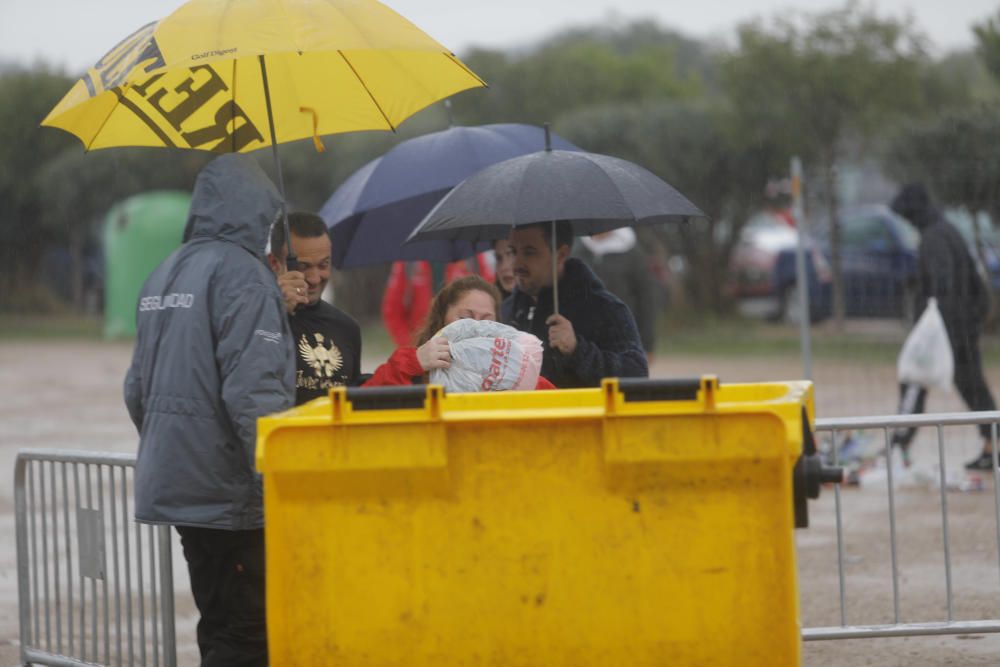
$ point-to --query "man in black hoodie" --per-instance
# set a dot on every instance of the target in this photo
(594, 336)
(327, 340)
(946, 271)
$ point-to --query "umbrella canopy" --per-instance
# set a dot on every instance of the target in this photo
(198, 78)
(203, 78)
(374, 211)
(596, 193)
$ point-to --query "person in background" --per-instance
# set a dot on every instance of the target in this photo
(947, 271)
(504, 268)
(778, 200)
(467, 297)
(327, 340)
(411, 287)
(594, 335)
(624, 270)
(213, 353)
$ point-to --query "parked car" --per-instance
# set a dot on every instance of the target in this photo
(878, 264)
(878, 261)
(762, 272)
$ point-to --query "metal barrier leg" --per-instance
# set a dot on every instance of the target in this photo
(996, 483)
(942, 467)
(840, 536)
(21, 532)
(167, 598)
(892, 527)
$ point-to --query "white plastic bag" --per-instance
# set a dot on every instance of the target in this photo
(489, 356)
(926, 358)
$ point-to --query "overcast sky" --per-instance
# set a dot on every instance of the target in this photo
(75, 33)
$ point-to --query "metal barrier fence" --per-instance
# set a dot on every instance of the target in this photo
(94, 586)
(898, 628)
(71, 505)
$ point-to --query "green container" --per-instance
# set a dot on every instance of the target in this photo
(139, 233)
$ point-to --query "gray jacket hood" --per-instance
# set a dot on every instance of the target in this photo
(213, 353)
(235, 201)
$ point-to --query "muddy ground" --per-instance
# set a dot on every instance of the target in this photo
(68, 394)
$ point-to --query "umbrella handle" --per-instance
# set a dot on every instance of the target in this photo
(292, 261)
(555, 273)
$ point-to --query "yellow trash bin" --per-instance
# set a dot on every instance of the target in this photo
(641, 525)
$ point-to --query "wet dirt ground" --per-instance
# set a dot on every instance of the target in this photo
(68, 394)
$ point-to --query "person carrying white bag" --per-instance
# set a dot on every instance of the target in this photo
(925, 361)
(947, 276)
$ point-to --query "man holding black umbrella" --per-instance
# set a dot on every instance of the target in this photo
(592, 334)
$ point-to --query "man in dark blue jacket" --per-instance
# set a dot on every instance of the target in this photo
(594, 336)
(213, 352)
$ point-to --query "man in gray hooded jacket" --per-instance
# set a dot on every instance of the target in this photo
(213, 353)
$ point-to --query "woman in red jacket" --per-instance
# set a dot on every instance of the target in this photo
(468, 297)
(410, 289)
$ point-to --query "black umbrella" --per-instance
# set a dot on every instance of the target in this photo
(595, 193)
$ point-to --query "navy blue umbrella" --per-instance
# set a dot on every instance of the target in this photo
(373, 212)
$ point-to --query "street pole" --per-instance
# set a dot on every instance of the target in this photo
(801, 278)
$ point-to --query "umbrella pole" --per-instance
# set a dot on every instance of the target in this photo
(555, 273)
(555, 260)
(291, 262)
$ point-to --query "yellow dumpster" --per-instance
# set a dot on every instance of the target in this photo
(647, 524)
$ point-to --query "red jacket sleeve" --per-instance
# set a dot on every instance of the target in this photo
(485, 268)
(400, 369)
(544, 384)
(394, 308)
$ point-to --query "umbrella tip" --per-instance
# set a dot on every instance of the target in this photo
(548, 137)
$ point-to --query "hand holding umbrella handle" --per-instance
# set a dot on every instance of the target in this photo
(562, 336)
(294, 288)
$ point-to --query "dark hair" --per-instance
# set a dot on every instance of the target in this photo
(564, 232)
(447, 297)
(914, 203)
(300, 223)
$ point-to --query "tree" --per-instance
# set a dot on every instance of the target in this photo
(582, 68)
(955, 155)
(988, 47)
(80, 188)
(25, 99)
(956, 81)
(814, 82)
(691, 145)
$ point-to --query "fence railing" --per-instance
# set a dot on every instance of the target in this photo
(94, 586)
(898, 628)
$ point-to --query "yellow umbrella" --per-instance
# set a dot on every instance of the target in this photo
(234, 76)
